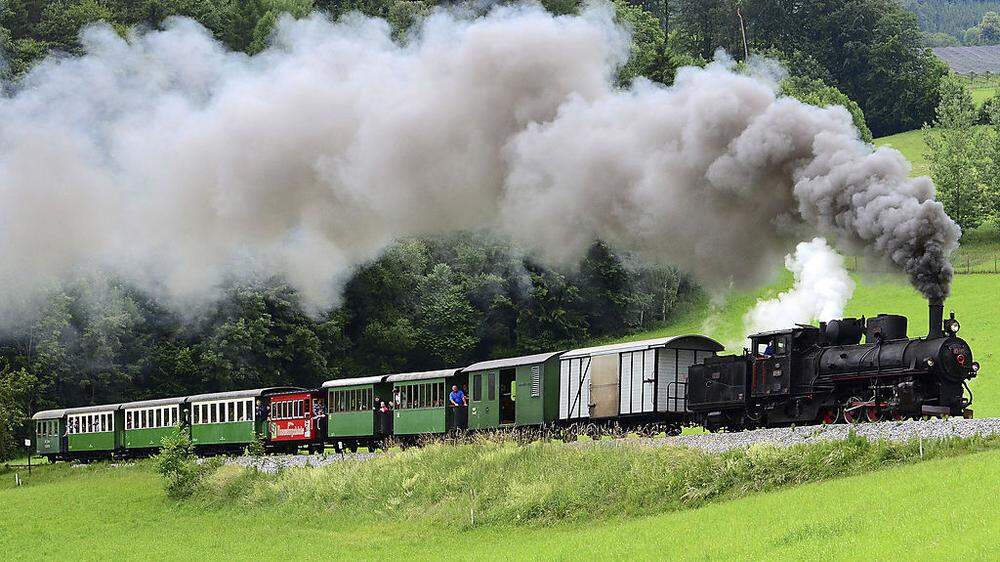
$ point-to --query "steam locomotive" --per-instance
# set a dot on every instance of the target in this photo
(810, 374)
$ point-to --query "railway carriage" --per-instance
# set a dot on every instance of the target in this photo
(518, 391)
(353, 418)
(229, 421)
(147, 422)
(640, 384)
(294, 420)
(94, 431)
(50, 433)
(422, 406)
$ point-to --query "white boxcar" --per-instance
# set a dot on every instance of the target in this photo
(640, 377)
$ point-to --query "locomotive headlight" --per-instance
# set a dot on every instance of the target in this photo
(952, 326)
(975, 367)
(930, 362)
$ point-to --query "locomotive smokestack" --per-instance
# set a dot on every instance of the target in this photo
(936, 323)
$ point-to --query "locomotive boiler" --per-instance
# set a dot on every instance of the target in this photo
(810, 374)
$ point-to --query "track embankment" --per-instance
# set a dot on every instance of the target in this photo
(895, 431)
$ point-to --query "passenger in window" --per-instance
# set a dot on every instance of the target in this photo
(383, 407)
(769, 350)
(457, 397)
(395, 397)
(465, 395)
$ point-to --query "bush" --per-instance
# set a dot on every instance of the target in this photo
(179, 466)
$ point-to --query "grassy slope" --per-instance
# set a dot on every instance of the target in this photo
(912, 145)
(937, 508)
(974, 300)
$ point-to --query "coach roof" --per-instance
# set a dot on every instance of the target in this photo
(49, 414)
(511, 362)
(239, 394)
(351, 382)
(153, 403)
(422, 375)
(702, 342)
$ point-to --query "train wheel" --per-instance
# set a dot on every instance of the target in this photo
(593, 432)
(674, 430)
(830, 415)
(873, 414)
(853, 412)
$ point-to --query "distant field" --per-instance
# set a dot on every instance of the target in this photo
(975, 300)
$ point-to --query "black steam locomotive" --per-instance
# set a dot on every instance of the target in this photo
(811, 374)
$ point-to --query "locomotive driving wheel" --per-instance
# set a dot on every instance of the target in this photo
(853, 410)
(873, 413)
(830, 415)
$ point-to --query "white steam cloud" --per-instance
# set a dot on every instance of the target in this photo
(820, 291)
(176, 165)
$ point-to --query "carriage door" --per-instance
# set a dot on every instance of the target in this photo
(484, 408)
(637, 382)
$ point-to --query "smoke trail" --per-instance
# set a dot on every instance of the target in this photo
(175, 164)
(820, 291)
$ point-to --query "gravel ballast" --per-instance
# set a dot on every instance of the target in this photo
(898, 431)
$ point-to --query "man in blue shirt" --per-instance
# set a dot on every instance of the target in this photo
(457, 397)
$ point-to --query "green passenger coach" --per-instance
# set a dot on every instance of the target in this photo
(94, 431)
(516, 391)
(50, 433)
(149, 421)
(229, 420)
(420, 402)
(353, 416)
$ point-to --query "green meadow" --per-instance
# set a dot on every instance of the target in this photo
(810, 502)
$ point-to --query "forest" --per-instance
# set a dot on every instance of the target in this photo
(427, 302)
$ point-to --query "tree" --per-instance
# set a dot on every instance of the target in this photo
(939, 39)
(955, 154)
(647, 55)
(16, 388)
(815, 92)
(972, 36)
(989, 29)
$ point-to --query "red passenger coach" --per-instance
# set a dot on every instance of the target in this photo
(293, 420)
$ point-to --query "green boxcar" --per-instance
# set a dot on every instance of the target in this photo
(50, 433)
(148, 422)
(229, 419)
(352, 409)
(517, 391)
(421, 402)
(94, 430)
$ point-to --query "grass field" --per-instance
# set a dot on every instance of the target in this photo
(938, 508)
(912, 145)
(981, 94)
